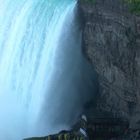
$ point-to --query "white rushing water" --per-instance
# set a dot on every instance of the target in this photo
(39, 65)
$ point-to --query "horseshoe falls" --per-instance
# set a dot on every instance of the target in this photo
(41, 67)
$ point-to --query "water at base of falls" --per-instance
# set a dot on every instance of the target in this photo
(39, 66)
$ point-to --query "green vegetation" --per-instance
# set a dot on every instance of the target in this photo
(134, 6)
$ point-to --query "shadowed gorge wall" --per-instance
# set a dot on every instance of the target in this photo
(111, 40)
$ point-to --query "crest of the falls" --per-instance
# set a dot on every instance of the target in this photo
(39, 62)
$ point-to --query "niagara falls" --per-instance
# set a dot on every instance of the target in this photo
(69, 69)
(41, 67)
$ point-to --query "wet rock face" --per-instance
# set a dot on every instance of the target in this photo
(112, 45)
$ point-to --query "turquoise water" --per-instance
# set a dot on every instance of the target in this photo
(39, 49)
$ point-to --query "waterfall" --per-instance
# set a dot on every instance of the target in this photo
(40, 66)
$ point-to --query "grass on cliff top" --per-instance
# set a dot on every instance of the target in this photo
(134, 6)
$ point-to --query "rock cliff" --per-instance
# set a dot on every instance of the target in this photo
(111, 42)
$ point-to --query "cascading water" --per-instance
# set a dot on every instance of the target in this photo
(40, 63)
